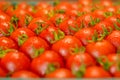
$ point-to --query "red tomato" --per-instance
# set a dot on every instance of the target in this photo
(7, 43)
(75, 62)
(33, 46)
(96, 72)
(20, 35)
(4, 17)
(114, 38)
(24, 74)
(15, 61)
(64, 46)
(46, 63)
(100, 48)
(60, 73)
(85, 2)
(84, 35)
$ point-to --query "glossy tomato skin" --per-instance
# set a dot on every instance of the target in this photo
(7, 43)
(32, 45)
(24, 74)
(96, 72)
(3, 73)
(64, 46)
(84, 35)
(10, 61)
(60, 73)
(100, 48)
(46, 62)
(4, 17)
(21, 34)
(114, 38)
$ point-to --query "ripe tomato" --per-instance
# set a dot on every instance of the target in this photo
(64, 46)
(7, 43)
(60, 73)
(33, 46)
(78, 62)
(20, 35)
(24, 74)
(114, 38)
(96, 72)
(85, 2)
(46, 63)
(10, 61)
(4, 17)
(69, 26)
(84, 35)
(39, 24)
(100, 48)
(52, 34)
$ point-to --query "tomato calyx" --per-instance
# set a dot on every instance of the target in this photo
(10, 30)
(77, 49)
(58, 21)
(94, 21)
(3, 52)
(116, 26)
(80, 13)
(57, 36)
(14, 20)
(61, 11)
(79, 73)
(22, 38)
(106, 64)
(28, 18)
(118, 62)
(75, 28)
(51, 14)
(50, 68)
(108, 14)
(37, 52)
(40, 27)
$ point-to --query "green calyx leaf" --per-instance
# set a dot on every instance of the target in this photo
(58, 21)
(57, 36)
(56, 2)
(40, 27)
(51, 14)
(37, 52)
(118, 20)
(78, 49)
(14, 20)
(3, 52)
(80, 73)
(116, 26)
(105, 62)
(61, 11)
(50, 68)
(80, 13)
(74, 28)
(108, 14)
(28, 18)
(22, 39)
(94, 21)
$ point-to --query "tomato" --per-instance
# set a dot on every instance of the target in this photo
(114, 38)
(24, 74)
(85, 2)
(100, 48)
(76, 63)
(33, 46)
(60, 73)
(106, 3)
(84, 35)
(52, 34)
(20, 35)
(39, 24)
(7, 43)
(64, 46)
(96, 72)
(10, 61)
(46, 63)
(69, 26)
(2, 73)
(58, 18)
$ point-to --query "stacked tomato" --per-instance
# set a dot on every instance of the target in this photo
(64, 40)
